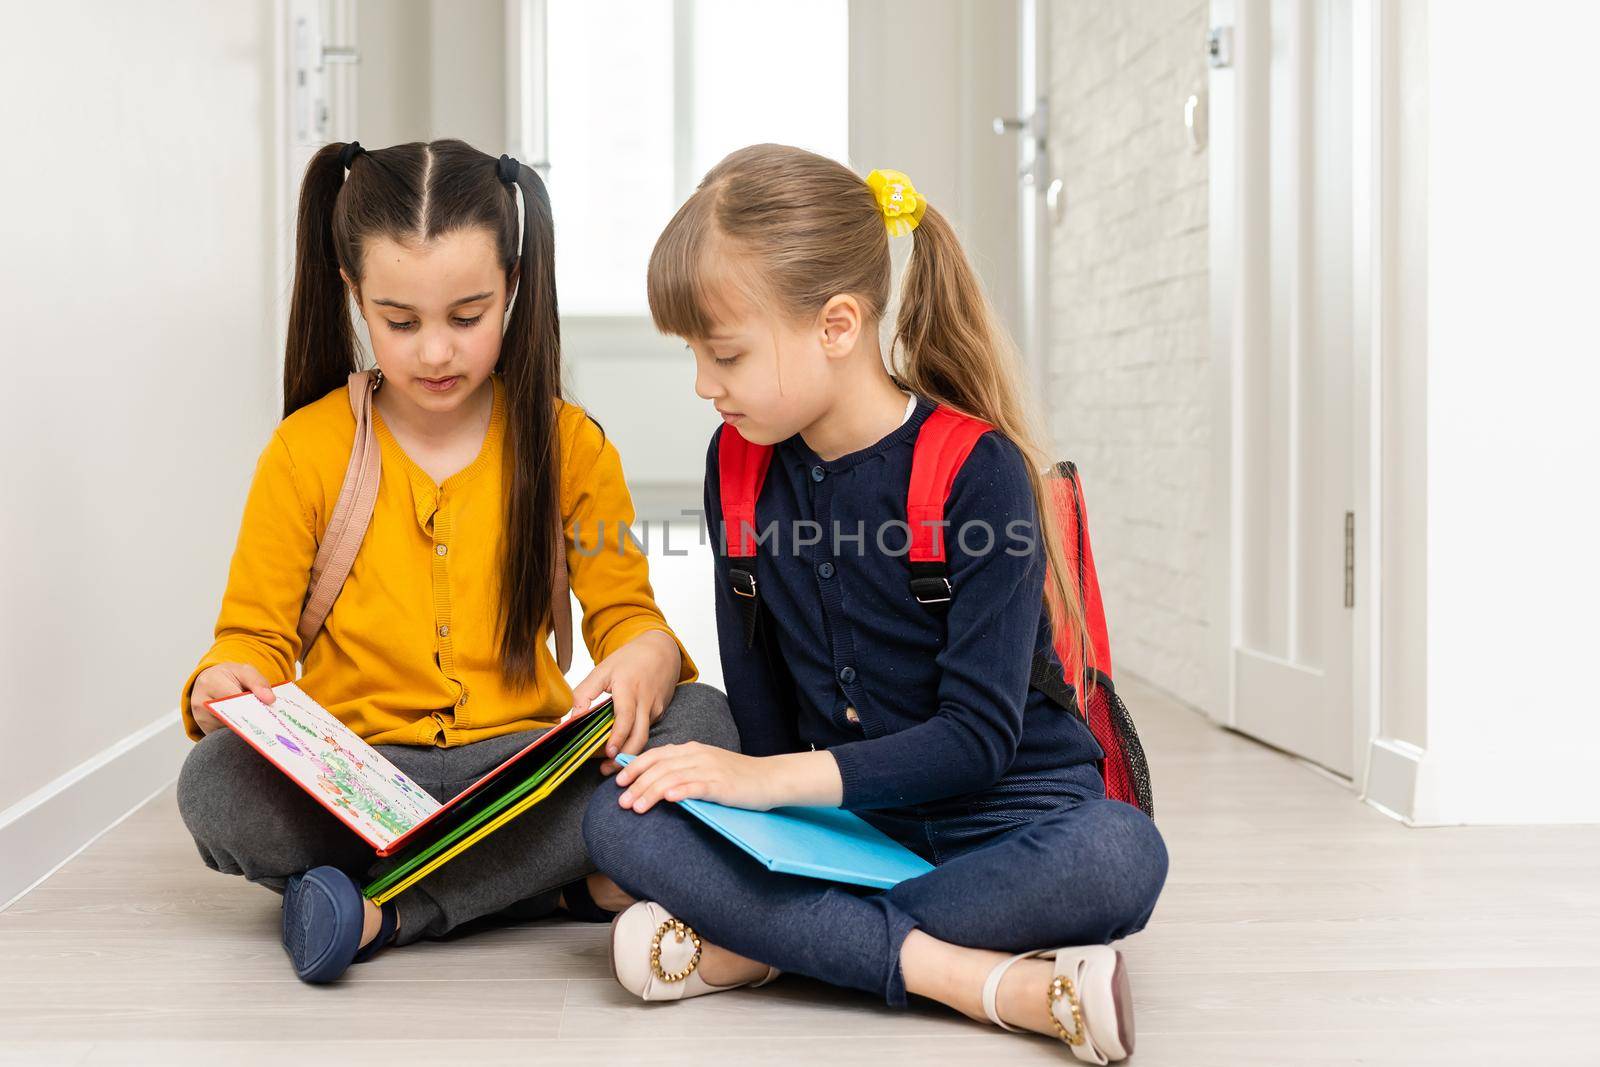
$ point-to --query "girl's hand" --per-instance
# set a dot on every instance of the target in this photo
(225, 680)
(697, 771)
(641, 677)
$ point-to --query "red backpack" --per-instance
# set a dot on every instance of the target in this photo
(943, 444)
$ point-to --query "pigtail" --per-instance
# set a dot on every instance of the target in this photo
(414, 193)
(530, 361)
(949, 346)
(321, 351)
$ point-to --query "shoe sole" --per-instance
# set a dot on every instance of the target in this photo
(315, 972)
(611, 947)
(1122, 996)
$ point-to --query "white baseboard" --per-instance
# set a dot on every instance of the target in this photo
(1482, 787)
(1392, 769)
(48, 827)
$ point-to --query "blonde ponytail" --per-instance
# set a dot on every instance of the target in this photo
(949, 346)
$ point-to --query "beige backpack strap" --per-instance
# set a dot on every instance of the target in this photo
(348, 524)
(561, 604)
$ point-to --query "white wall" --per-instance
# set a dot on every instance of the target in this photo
(394, 80)
(1513, 371)
(1128, 371)
(135, 284)
(927, 78)
(467, 72)
(431, 69)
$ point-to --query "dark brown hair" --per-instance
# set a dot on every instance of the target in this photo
(792, 229)
(412, 193)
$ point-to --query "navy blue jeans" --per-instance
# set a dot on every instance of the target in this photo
(1017, 869)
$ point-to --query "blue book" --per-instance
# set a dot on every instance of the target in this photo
(827, 843)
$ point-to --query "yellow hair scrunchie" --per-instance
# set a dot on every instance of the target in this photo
(902, 206)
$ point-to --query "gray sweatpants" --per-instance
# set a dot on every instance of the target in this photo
(249, 818)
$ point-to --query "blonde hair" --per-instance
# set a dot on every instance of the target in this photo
(793, 229)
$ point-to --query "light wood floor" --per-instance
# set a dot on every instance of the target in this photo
(1297, 927)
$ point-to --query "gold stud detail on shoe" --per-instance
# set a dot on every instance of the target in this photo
(682, 933)
(1060, 987)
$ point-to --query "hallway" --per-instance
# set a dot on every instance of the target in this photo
(1298, 926)
(1304, 288)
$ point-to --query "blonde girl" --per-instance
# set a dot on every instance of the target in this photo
(776, 272)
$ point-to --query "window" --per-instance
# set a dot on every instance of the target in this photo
(642, 97)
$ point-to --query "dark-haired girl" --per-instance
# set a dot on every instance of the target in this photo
(436, 648)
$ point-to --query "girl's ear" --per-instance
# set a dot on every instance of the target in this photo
(841, 321)
(350, 284)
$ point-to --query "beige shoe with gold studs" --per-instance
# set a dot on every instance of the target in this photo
(1090, 1001)
(654, 956)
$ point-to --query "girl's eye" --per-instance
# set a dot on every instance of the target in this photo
(404, 327)
(728, 362)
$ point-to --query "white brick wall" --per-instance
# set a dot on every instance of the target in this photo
(1128, 376)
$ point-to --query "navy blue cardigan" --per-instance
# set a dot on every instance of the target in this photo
(943, 706)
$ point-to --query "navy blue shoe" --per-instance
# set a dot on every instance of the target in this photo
(322, 914)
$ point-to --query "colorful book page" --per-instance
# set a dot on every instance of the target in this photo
(326, 758)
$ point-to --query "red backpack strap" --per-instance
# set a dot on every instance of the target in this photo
(1073, 684)
(741, 472)
(943, 444)
(1124, 768)
(1068, 491)
(945, 441)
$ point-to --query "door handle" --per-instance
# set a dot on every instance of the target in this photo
(1194, 120)
(1033, 125)
(1054, 204)
(1032, 128)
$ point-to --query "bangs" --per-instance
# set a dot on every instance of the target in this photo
(696, 283)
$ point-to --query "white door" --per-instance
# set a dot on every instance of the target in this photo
(1282, 275)
(315, 104)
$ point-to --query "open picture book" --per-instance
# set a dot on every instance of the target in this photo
(386, 809)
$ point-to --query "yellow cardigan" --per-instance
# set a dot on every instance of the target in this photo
(409, 653)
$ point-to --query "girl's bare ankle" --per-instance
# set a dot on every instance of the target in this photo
(1022, 998)
(720, 967)
(371, 921)
(607, 894)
